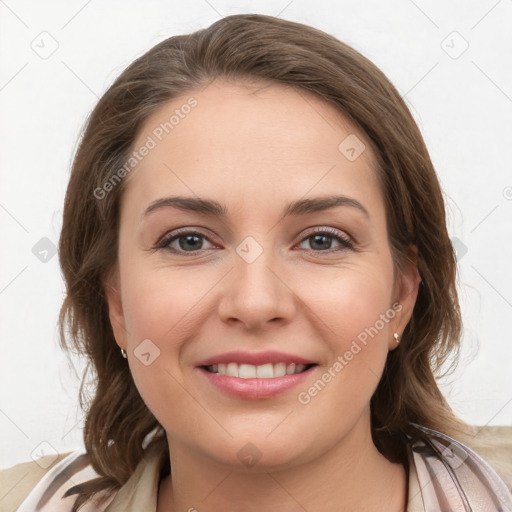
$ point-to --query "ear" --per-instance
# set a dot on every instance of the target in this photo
(406, 292)
(112, 288)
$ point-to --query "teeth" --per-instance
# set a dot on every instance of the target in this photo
(264, 371)
(247, 371)
(279, 370)
(232, 370)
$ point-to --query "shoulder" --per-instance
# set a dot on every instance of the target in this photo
(40, 484)
(494, 445)
(17, 481)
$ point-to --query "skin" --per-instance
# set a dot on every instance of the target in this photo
(255, 148)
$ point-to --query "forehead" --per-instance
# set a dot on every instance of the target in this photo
(250, 141)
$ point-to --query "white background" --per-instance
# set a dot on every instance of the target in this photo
(463, 106)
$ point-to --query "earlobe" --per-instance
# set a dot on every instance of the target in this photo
(407, 293)
(112, 290)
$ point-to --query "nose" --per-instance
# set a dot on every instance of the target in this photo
(257, 292)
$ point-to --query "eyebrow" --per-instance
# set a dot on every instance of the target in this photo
(212, 207)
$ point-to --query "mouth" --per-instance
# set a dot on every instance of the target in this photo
(255, 382)
(254, 375)
(263, 371)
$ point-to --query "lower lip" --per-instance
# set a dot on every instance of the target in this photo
(255, 388)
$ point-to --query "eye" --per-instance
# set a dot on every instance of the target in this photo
(322, 238)
(184, 242)
(191, 242)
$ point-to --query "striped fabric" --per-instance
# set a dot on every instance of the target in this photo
(444, 476)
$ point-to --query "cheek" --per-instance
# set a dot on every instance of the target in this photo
(354, 320)
(158, 311)
(159, 305)
(163, 310)
(350, 300)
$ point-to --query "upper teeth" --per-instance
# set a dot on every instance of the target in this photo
(249, 371)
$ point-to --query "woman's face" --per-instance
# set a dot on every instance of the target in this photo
(278, 278)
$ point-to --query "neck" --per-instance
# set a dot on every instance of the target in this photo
(352, 475)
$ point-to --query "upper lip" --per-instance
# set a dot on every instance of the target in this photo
(254, 358)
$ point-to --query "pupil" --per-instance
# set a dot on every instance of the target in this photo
(188, 239)
(319, 239)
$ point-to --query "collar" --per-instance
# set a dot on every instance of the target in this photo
(444, 474)
(140, 492)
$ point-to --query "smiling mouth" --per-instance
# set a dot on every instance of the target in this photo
(264, 371)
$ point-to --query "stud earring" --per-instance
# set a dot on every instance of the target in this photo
(123, 353)
(397, 338)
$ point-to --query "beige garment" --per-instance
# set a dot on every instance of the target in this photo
(23, 485)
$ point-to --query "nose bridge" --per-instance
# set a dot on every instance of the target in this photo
(253, 264)
(257, 293)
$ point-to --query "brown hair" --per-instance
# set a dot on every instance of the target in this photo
(253, 47)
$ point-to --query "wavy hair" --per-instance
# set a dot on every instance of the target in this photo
(119, 428)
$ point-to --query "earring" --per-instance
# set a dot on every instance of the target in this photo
(397, 338)
(123, 353)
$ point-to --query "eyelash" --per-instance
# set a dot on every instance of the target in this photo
(333, 233)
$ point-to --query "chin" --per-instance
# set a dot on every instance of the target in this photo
(259, 454)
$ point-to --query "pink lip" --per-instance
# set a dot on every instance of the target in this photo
(254, 388)
(255, 359)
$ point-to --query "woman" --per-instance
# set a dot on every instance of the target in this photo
(286, 358)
